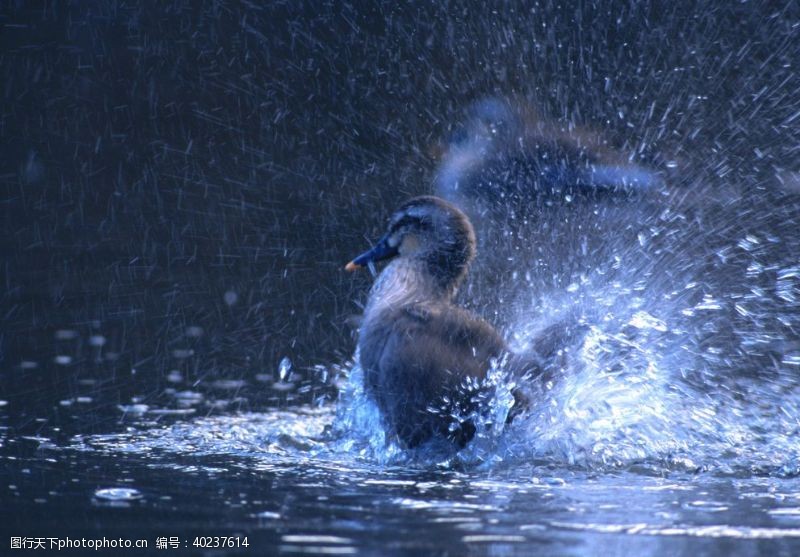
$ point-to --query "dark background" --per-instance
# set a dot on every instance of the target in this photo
(172, 165)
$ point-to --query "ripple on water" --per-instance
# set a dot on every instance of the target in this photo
(710, 531)
(245, 434)
(317, 544)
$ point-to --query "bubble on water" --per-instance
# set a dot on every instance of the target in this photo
(172, 411)
(267, 515)
(63, 360)
(283, 386)
(188, 398)
(122, 494)
(221, 404)
(134, 409)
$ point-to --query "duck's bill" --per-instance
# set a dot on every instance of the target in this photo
(381, 251)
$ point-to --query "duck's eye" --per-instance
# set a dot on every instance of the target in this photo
(409, 222)
(394, 239)
(405, 226)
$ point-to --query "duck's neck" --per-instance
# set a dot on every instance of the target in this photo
(406, 281)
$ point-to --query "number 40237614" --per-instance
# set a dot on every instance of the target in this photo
(220, 541)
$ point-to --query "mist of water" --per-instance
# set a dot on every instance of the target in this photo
(688, 358)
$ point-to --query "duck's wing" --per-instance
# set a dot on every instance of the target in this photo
(415, 360)
(434, 345)
(548, 355)
(453, 338)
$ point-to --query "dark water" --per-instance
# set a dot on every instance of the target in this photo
(181, 184)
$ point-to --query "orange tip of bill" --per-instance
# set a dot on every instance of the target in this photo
(352, 266)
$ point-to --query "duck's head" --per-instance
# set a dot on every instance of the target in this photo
(429, 233)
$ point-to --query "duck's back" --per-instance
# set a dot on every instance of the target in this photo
(415, 357)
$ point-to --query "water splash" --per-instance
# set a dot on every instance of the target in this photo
(683, 355)
(688, 342)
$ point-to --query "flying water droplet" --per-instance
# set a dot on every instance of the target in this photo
(284, 368)
(66, 334)
(230, 297)
(97, 340)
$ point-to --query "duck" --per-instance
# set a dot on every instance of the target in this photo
(522, 177)
(503, 153)
(423, 356)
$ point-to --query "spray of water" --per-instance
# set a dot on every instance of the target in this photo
(687, 357)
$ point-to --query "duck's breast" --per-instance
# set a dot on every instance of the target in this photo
(416, 357)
